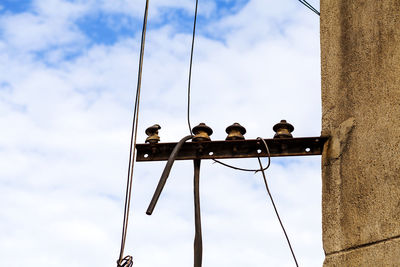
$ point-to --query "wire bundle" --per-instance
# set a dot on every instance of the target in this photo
(127, 261)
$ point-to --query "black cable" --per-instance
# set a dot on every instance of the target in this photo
(273, 203)
(237, 168)
(309, 6)
(304, 2)
(165, 174)
(247, 170)
(127, 261)
(190, 66)
(262, 170)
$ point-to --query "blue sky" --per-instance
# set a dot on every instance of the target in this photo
(67, 77)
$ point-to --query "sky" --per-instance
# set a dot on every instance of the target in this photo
(68, 72)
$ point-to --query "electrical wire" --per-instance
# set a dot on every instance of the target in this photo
(262, 169)
(273, 202)
(309, 6)
(127, 261)
(189, 92)
(165, 173)
(304, 2)
(190, 67)
(237, 168)
(247, 170)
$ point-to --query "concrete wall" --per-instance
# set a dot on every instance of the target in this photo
(360, 57)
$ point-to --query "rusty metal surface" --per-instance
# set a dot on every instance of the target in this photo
(305, 146)
(198, 240)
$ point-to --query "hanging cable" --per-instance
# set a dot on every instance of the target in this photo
(272, 200)
(262, 169)
(309, 6)
(198, 242)
(238, 168)
(127, 261)
(165, 173)
(190, 67)
(243, 169)
(189, 92)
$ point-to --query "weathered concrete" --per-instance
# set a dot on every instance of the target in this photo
(360, 57)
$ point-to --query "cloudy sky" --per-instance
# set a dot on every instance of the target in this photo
(68, 72)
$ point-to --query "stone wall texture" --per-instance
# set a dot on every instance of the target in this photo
(360, 61)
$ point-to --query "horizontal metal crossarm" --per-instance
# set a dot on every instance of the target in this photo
(279, 147)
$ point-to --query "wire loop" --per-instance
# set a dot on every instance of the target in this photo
(126, 262)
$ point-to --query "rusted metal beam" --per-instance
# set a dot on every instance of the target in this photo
(278, 147)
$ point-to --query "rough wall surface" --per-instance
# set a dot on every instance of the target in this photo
(380, 255)
(360, 57)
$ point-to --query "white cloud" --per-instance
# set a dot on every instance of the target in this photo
(29, 32)
(65, 133)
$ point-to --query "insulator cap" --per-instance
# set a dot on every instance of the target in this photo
(235, 132)
(152, 133)
(202, 132)
(283, 130)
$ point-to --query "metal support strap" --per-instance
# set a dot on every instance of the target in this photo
(198, 242)
(305, 146)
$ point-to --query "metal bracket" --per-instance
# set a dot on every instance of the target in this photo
(278, 147)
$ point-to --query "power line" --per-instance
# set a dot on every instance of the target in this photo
(304, 2)
(262, 169)
(309, 6)
(127, 261)
(190, 67)
(238, 168)
(272, 200)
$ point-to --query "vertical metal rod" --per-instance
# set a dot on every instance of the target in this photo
(198, 242)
